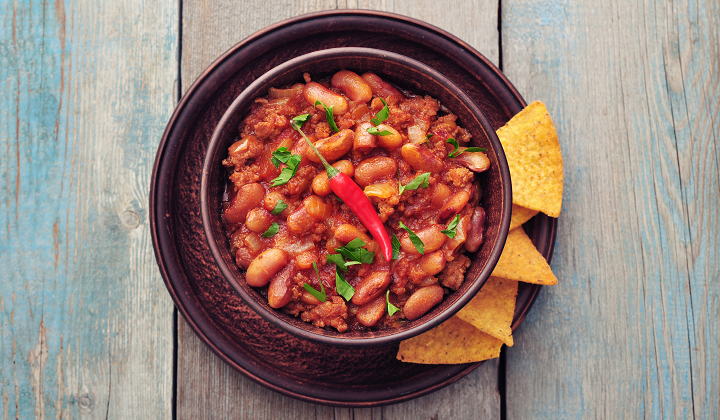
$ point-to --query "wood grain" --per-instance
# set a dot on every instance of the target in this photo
(210, 389)
(632, 329)
(85, 320)
(207, 388)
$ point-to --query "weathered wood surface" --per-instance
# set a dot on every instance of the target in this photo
(85, 320)
(206, 387)
(633, 329)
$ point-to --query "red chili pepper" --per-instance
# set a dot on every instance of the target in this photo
(351, 194)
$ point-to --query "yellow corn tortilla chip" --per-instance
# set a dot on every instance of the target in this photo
(520, 215)
(521, 261)
(492, 309)
(454, 341)
(533, 154)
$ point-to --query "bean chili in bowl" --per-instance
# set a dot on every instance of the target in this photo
(351, 204)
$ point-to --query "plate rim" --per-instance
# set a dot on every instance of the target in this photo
(208, 336)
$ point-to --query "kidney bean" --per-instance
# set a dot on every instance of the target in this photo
(347, 232)
(427, 281)
(421, 301)
(345, 166)
(431, 236)
(383, 89)
(280, 292)
(321, 183)
(460, 234)
(476, 231)
(475, 161)
(370, 313)
(314, 91)
(305, 259)
(432, 263)
(265, 266)
(247, 197)
(245, 148)
(334, 147)
(333, 243)
(272, 199)
(309, 299)
(352, 85)
(391, 141)
(440, 193)
(371, 287)
(453, 205)
(258, 220)
(300, 221)
(364, 141)
(370, 170)
(421, 159)
(316, 207)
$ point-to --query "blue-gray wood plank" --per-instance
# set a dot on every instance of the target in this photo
(632, 330)
(85, 321)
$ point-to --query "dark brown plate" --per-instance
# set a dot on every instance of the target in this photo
(301, 369)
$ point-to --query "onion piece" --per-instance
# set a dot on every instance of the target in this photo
(381, 190)
(286, 93)
(417, 134)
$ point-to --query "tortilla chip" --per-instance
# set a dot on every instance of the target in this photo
(454, 341)
(533, 154)
(492, 309)
(521, 261)
(520, 215)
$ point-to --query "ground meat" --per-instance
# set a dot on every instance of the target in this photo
(454, 273)
(331, 313)
(245, 176)
(458, 176)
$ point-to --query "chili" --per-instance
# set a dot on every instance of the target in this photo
(351, 194)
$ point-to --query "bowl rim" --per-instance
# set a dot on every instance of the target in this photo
(251, 92)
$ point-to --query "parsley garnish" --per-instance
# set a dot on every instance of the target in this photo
(457, 152)
(279, 208)
(343, 287)
(340, 262)
(395, 247)
(288, 171)
(317, 295)
(272, 231)
(376, 132)
(298, 121)
(420, 181)
(382, 115)
(390, 307)
(281, 155)
(329, 115)
(354, 251)
(419, 245)
(452, 227)
(427, 136)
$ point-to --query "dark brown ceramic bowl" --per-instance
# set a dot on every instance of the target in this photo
(407, 74)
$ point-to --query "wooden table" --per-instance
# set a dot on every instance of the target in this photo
(87, 328)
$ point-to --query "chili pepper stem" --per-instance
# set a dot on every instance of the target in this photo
(331, 171)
